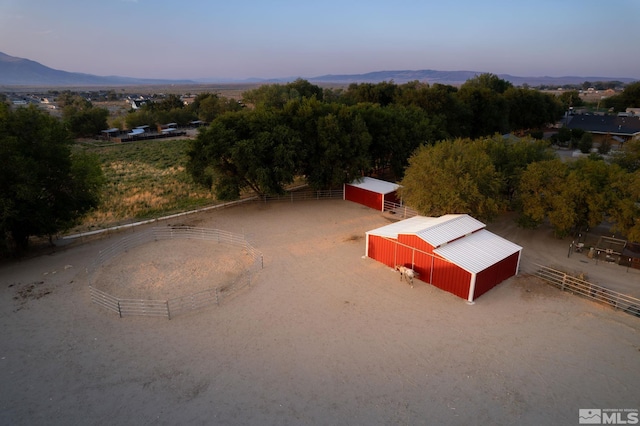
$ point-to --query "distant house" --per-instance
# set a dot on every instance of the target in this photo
(109, 134)
(612, 128)
(137, 103)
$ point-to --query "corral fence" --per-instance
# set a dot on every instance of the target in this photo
(579, 286)
(399, 210)
(291, 196)
(171, 307)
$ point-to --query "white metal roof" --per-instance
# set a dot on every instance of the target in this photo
(478, 251)
(434, 230)
(453, 226)
(375, 185)
(407, 226)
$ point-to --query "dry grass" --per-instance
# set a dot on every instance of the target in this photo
(144, 180)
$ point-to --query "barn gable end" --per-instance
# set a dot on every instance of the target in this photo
(371, 192)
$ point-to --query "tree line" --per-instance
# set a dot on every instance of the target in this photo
(442, 143)
(486, 176)
(331, 136)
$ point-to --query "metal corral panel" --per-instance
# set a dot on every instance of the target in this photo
(478, 251)
(450, 228)
(495, 274)
(451, 278)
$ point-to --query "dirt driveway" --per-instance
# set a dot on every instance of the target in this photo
(323, 336)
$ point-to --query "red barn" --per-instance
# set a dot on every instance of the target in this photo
(371, 192)
(453, 252)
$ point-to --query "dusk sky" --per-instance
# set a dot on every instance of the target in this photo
(191, 39)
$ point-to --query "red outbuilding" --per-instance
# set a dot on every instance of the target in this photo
(452, 252)
(371, 192)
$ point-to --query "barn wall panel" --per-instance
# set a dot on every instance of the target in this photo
(382, 250)
(404, 256)
(495, 274)
(450, 277)
(422, 266)
(364, 197)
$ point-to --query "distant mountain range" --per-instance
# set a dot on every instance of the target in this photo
(24, 72)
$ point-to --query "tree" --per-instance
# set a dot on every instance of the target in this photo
(541, 194)
(44, 188)
(511, 159)
(570, 196)
(530, 109)
(306, 89)
(570, 99)
(488, 81)
(629, 157)
(81, 117)
(85, 122)
(342, 151)
(625, 207)
(453, 177)
(244, 150)
(382, 93)
(629, 98)
(585, 143)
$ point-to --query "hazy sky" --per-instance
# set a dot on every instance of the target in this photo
(285, 38)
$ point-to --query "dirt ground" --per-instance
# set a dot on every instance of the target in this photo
(323, 336)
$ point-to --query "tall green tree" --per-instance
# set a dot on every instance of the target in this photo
(629, 98)
(81, 117)
(488, 81)
(511, 158)
(531, 109)
(453, 177)
(342, 150)
(571, 196)
(488, 109)
(44, 188)
(629, 157)
(624, 211)
(247, 150)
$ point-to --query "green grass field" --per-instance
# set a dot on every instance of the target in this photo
(145, 179)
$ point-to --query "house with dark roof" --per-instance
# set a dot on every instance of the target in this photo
(615, 129)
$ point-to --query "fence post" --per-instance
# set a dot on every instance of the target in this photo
(217, 298)
(119, 309)
(168, 311)
(564, 279)
(261, 261)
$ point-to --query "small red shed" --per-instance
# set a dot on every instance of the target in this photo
(371, 192)
(452, 252)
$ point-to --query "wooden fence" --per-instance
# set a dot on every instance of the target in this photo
(581, 287)
(171, 307)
